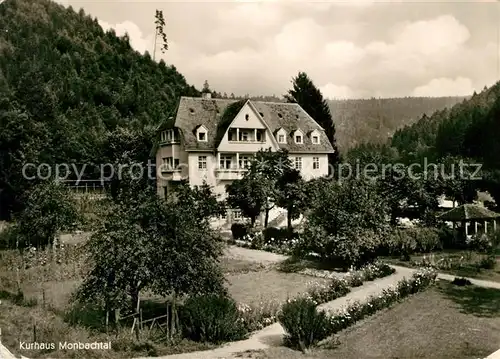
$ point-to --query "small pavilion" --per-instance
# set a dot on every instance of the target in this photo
(471, 219)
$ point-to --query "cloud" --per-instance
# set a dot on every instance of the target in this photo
(347, 48)
(331, 91)
(137, 39)
(445, 87)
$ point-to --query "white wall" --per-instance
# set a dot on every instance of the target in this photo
(253, 119)
(307, 170)
(197, 176)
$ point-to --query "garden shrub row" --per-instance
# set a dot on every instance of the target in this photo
(306, 326)
(217, 318)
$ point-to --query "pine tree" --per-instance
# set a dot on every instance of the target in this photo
(309, 97)
(160, 25)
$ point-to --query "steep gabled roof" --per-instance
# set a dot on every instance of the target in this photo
(217, 114)
(468, 212)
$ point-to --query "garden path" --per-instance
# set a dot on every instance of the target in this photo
(273, 334)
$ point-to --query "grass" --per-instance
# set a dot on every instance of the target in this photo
(268, 286)
(48, 280)
(468, 268)
(444, 322)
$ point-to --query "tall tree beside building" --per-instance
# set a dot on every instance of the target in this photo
(309, 97)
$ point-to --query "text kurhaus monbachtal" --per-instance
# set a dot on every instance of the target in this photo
(65, 346)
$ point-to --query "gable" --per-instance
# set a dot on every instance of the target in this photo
(247, 118)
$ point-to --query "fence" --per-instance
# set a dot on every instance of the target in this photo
(95, 188)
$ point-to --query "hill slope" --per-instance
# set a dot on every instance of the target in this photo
(66, 87)
(375, 120)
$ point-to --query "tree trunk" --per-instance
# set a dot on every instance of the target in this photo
(266, 219)
(289, 223)
(252, 221)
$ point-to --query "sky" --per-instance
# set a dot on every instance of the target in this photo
(354, 49)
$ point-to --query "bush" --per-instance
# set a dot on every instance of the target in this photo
(304, 325)
(239, 230)
(273, 235)
(488, 262)
(376, 270)
(8, 237)
(211, 318)
(354, 279)
(345, 252)
(335, 289)
(485, 242)
(461, 281)
(404, 242)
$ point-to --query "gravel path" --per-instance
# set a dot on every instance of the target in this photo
(272, 336)
(254, 255)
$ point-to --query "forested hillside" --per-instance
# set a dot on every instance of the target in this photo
(375, 120)
(68, 89)
(468, 132)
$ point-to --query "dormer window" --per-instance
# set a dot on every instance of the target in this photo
(281, 136)
(201, 134)
(315, 137)
(298, 136)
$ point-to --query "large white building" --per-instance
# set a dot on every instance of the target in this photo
(213, 140)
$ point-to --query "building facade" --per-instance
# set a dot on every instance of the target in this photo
(214, 140)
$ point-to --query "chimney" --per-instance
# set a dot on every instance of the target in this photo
(206, 95)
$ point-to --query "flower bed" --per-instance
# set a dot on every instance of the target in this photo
(257, 317)
(305, 327)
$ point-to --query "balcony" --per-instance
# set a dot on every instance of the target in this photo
(230, 174)
(172, 174)
(237, 135)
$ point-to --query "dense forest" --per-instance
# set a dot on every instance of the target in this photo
(468, 131)
(72, 93)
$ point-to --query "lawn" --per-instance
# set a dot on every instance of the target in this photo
(444, 322)
(47, 282)
(462, 263)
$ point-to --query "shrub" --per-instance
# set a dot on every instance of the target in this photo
(304, 325)
(427, 239)
(461, 281)
(354, 279)
(211, 318)
(404, 242)
(8, 237)
(357, 311)
(275, 235)
(485, 242)
(335, 289)
(291, 265)
(239, 230)
(488, 262)
(376, 270)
